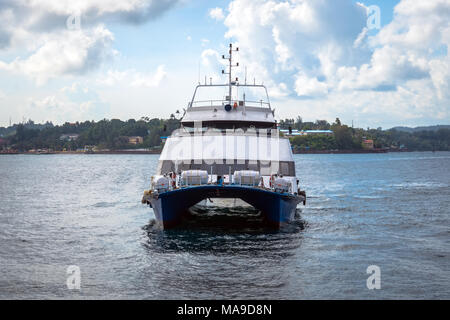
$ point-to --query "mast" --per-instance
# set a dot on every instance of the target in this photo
(229, 72)
(230, 65)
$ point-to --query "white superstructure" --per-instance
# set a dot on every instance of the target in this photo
(229, 133)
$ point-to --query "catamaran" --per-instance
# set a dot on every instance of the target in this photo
(228, 146)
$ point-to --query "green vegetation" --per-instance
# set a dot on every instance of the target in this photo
(105, 134)
(113, 134)
(348, 138)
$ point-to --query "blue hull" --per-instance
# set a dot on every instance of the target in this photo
(276, 208)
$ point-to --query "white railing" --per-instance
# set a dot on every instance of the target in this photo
(221, 103)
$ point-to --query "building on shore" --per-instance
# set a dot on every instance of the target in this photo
(69, 137)
(291, 133)
(295, 132)
(318, 132)
(367, 144)
(135, 140)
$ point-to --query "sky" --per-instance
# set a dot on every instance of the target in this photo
(376, 63)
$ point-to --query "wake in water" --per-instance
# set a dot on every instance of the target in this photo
(219, 230)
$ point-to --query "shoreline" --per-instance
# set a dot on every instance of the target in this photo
(356, 151)
(143, 152)
(85, 153)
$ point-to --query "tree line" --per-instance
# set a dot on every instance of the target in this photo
(348, 138)
(112, 134)
(105, 134)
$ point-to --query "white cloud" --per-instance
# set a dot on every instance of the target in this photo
(309, 87)
(150, 80)
(323, 51)
(69, 52)
(45, 15)
(210, 58)
(216, 14)
(133, 78)
(440, 77)
(403, 50)
(75, 88)
(37, 30)
(285, 41)
(361, 37)
(36, 43)
(212, 65)
(61, 107)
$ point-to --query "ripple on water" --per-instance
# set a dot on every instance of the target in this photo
(361, 210)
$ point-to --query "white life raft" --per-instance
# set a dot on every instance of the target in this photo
(246, 177)
(194, 177)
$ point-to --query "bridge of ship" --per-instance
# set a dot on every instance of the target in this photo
(234, 109)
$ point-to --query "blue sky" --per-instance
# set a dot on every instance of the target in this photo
(142, 58)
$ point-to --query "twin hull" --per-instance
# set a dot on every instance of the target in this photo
(276, 208)
(267, 155)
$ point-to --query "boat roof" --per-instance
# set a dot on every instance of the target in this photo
(230, 110)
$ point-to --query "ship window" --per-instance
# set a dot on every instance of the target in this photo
(253, 166)
(166, 166)
(265, 169)
(284, 168)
